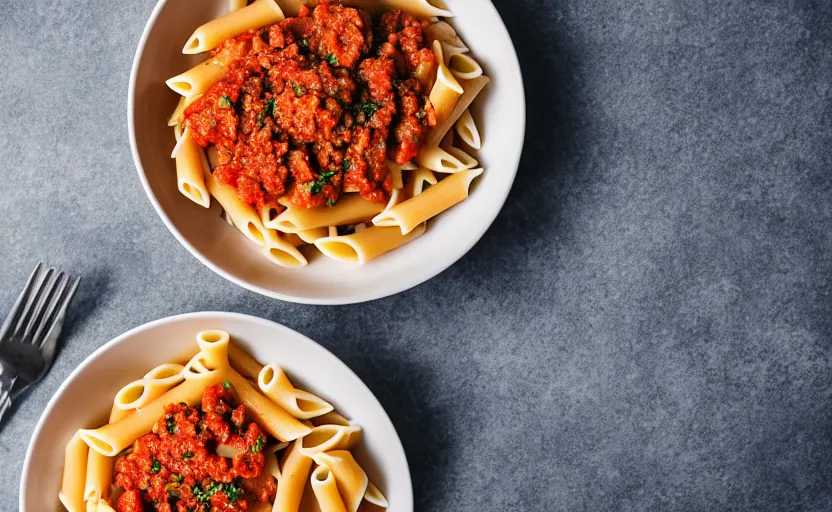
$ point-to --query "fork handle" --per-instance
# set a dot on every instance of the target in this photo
(5, 403)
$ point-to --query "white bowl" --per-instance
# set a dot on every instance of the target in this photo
(500, 114)
(85, 398)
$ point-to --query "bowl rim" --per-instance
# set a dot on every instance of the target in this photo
(118, 340)
(364, 295)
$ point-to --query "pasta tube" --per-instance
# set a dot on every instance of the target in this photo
(274, 383)
(361, 247)
(75, 470)
(467, 130)
(210, 35)
(244, 217)
(374, 496)
(349, 477)
(326, 491)
(419, 8)
(154, 384)
(294, 472)
(270, 416)
(243, 363)
(433, 201)
(471, 89)
(330, 437)
(350, 209)
(437, 159)
(190, 170)
(281, 252)
(201, 77)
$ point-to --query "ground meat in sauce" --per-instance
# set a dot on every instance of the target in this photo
(313, 106)
(176, 468)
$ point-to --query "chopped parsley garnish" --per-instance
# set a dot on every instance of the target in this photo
(330, 202)
(224, 102)
(226, 384)
(368, 107)
(346, 164)
(156, 466)
(299, 89)
(233, 492)
(258, 446)
(270, 107)
(332, 60)
(323, 179)
(170, 424)
(420, 115)
(303, 43)
(187, 455)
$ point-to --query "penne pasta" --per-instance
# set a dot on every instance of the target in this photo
(309, 236)
(420, 8)
(471, 88)
(463, 66)
(110, 439)
(99, 476)
(445, 95)
(294, 472)
(104, 506)
(243, 363)
(467, 130)
(374, 496)
(201, 77)
(350, 209)
(235, 5)
(75, 470)
(416, 180)
(210, 35)
(330, 437)
(437, 159)
(349, 477)
(372, 242)
(433, 201)
(244, 217)
(445, 33)
(154, 384)
(190, 170)
(467, 160)
(331, 418)
(326, 491)
(281, 252)
(274, 383)
(268, 214)
(274, 420)
(291, 7)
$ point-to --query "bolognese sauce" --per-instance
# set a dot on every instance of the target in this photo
(176, 467)
(313, 106)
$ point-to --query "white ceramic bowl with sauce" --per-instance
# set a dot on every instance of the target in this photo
(84, 400)
(499, 112)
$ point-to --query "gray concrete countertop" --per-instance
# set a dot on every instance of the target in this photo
(647, 324)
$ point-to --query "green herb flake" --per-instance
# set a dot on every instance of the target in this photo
(330, 202)
(170, 424)
(368, 107)
(156, 466)
(258, 446)
(177, 478)
(299, 89)
(315, 187)
(303, 43)
(346, 164)
(187, 455)
(420, 115)
(226, 384)
(270, 107)
(224, 102)
(332, 60)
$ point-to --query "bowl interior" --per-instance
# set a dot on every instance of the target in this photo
(499, 111)
(85, 399)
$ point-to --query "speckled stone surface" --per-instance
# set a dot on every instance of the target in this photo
(647, 324)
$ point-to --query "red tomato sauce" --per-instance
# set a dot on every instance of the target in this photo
(176, 467)
(313, 106)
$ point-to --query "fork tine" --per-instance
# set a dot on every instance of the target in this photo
(45, 309)
(22, 299)
(53, 327)
(33, 303)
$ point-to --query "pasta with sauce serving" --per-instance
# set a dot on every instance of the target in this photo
(222, 432)
(316, 120)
